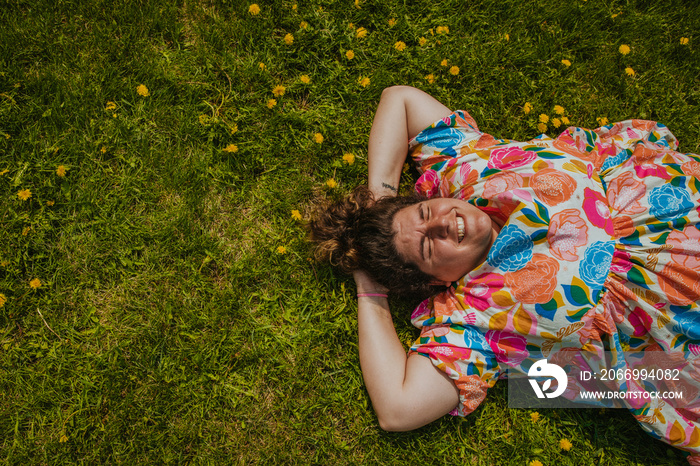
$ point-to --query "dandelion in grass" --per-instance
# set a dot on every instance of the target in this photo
(566, 63)
(262, 66)
(543, 118)
(2, 172)
(624, 49)
(305, 79)
(35, 283)
(556, 122)
(231, 148)
(443, 62)
(24, 195)
(558, 109)
(535, 463)
(289, 39)
(565, 120)
(507, 37)
(602, 121)
(3, 299)
(400, 46)
(629, 71)
(331, 183)
(357, 4)
(103, 149)
(278, 91)
(527, 108)
(296, 215)
(430, 78)
(318, 138)
(110, 106)
(541, 127)
(304, 25)
(61, 171)
(363, 81)
(50, 203)
(565, 444)
(442, 30)
(271, 103)
(392, 22)
(349, 158)
(233, 129)
(349, 54)
(361, 33)
(254, 9)
(422, 41)
(351, 26)
(281, 250)
(204, 120)
(534, 416)
(142, 90)
(454, 70)
(684, 41)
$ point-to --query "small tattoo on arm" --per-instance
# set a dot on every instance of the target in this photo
(388, 186)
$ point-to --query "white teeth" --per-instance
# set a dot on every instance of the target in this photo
(460, 229)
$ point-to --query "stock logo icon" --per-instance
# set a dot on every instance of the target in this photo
(544, 369)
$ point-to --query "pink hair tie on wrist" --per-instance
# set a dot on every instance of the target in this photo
(380, 295)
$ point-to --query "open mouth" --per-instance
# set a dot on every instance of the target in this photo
(460, 229)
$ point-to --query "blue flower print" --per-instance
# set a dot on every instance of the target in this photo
(595, 266)
(512, 249)
(669, 202)
(442, 139)
(688, 324)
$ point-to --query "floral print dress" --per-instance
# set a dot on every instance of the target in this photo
(599, 252)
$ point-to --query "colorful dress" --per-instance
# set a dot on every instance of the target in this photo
(599, 252)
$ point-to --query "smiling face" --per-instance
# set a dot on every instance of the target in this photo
(445, 238)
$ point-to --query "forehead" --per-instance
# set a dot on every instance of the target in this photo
(406, 234)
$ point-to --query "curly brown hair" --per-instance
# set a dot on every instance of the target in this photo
(357, 233)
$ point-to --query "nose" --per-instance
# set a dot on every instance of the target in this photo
(439, 226)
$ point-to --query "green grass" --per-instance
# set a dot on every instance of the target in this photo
(168, 328)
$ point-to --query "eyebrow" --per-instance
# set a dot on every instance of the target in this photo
(422, 240)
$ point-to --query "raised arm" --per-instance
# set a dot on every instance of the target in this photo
(402, 113)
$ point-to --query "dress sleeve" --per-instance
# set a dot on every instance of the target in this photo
(443, 140)
(611, 145)
(458, 349)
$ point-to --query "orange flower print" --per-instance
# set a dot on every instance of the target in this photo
(685, 249)
(624, 193)
(502, 182)
(567, 232)
(552, 186)
(691, 168)
(535, 283)
(681, 285)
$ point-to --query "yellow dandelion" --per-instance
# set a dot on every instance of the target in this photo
(565, 120)
(629, 71)
(442, 30)
(684, 41)
(35, 283)
(114, 115)
(103, 149)
(349, 158)
(331, 183)
(535, 463)
(50, 203)
(392, 22)
(304, 25)
(430, 78)
(25, 194)
(142, 90)
(296, 215)
(361, 33)
(507, 37)
(2, 172)
(254, 9)
(363, 81)
(357, 4)
(231, 148)
(527, 108)
(261, 65)
(294, 7)
(110, 106)
(454, 70)
(541, 127)
(556, 122)
(422, 41)
(204, 119)
(3, 299)
(281, 250)
(624, 49)
(558, 109)
(61, 171)
(543, 118)
(443, 62)
(351, 26)
(566, 63)
(565, 445)
(602, 121)
(305, 79)
(278, 91)
(271, 103)
(349, 54)
(534, 417)
(318, 138)
(400, 46)
(63, 439)
(289, 39)
(233, 129)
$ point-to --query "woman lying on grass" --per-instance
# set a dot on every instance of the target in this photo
(562, 248)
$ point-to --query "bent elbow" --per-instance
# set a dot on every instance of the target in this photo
(394, 421)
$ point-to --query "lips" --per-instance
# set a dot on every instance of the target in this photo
(460, 229)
